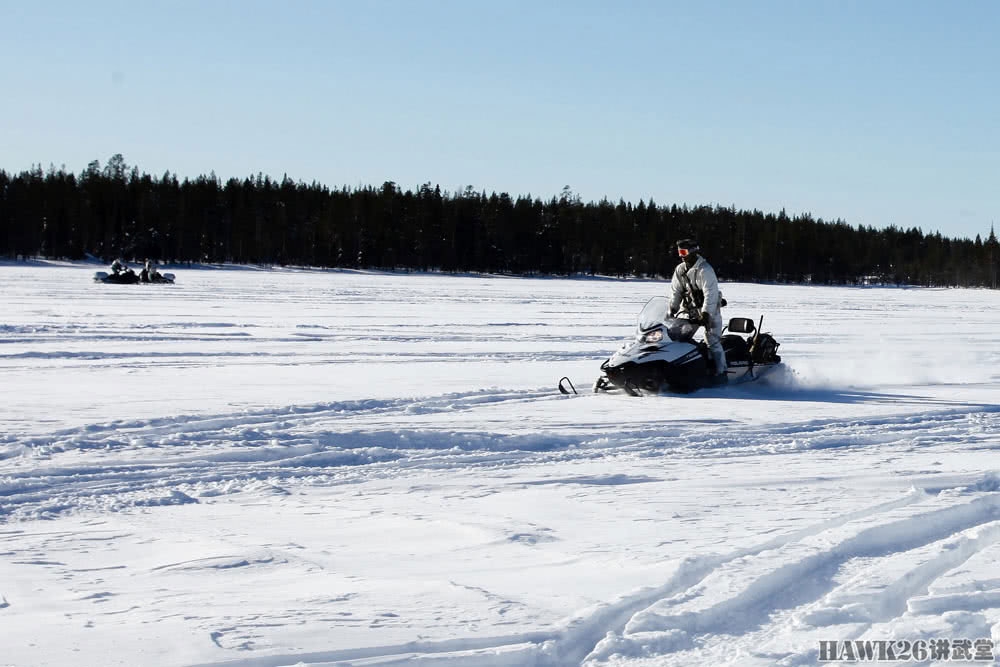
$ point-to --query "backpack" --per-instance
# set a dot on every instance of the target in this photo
(764, 349)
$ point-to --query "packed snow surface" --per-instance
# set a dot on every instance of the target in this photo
(277, 467)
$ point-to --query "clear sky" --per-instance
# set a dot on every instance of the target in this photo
(877, 112)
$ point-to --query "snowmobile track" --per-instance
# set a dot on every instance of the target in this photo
(668, 621)
(176, 460)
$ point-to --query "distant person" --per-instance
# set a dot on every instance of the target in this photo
(696, 287)
(117, 267)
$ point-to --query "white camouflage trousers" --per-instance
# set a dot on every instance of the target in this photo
(713, 336)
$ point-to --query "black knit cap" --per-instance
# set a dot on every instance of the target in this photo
(688, 244)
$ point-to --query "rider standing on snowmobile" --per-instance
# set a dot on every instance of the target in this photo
(696, 287)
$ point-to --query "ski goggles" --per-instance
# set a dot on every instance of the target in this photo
(684, 252)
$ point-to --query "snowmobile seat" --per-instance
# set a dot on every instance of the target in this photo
(742, 325)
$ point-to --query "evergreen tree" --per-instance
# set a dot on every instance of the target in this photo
(116, 210)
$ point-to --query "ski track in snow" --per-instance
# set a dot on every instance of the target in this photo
(911, 561)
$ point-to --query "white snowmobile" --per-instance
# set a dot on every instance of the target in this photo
(663, 355)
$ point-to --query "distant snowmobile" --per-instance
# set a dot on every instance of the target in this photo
(663, 355)
(126, 277)
(130, 277)
(155, 277)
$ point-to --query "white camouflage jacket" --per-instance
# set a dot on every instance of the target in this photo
(700, 281)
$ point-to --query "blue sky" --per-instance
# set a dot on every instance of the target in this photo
(876, 112)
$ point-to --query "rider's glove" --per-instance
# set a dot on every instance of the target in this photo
(706, 320)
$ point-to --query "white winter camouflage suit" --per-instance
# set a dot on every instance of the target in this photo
(703, 286)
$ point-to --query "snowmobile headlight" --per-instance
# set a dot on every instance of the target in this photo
(653, 336)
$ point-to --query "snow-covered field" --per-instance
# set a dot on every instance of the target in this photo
(262, 468)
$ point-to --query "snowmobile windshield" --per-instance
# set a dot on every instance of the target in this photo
(655, 312)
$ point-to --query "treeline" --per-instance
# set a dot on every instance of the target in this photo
(116, 211)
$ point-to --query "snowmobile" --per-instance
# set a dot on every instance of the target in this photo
(156, 278)
(126, 277)
(130, 277)
(663, 355)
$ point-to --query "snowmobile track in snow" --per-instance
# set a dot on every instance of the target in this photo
(790, 580)
(178, 459)
(794, 580)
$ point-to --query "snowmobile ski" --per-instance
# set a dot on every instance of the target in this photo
(569, 383)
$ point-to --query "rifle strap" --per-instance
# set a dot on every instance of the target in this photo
(690, 305)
